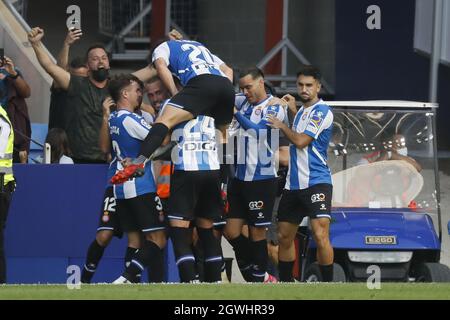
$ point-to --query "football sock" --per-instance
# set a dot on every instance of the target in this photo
(327, 272)
(94, 255)
(181, 240)
(285, 270)
(260, 256)
(242, 251)
(156, 266)
(213, 254)
(154, 139)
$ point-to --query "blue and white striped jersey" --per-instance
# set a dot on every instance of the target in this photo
(308, 166)
(112, 168)
(196, 148)
(127, 131)
(187, 59)
(256, 141)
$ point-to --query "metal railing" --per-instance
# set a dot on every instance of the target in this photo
(20, 6)
(127, 22)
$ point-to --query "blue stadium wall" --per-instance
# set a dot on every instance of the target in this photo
(382, 64)
(53, 219)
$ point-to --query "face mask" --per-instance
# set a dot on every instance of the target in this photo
(403, 151)
(100, 74)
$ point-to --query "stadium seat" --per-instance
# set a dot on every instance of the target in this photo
(38, 133)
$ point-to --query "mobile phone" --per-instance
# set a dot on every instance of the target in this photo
(2, 56)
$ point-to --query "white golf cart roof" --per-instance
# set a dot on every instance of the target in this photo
(384, 104)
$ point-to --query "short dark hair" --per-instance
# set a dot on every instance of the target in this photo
(77, 62)
(255, 72)
(119, 82)
(310, 71)
(97, 46)
(153, 79)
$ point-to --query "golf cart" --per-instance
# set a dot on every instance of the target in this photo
(386, 196)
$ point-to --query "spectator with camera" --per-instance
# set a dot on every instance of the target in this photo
(13, 92)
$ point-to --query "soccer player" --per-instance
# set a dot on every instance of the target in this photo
(207, 90)
(138, 206)
(109, 224)
(195, 196)
(308, 189)
(252, 191)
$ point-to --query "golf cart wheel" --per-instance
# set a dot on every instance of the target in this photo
(432, 272)
(313, 274)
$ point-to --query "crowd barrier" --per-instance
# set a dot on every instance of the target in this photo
(52, 220)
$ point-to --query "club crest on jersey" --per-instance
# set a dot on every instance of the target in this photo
(317, 119)
(105, 217)
(257, 111)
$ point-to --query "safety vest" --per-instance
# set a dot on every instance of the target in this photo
(6, 161)
(163, 181)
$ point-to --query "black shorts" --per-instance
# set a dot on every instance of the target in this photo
(209, 95)
(195, 194)
(314, 202)
(219, 223)
(109, 219)
(252, 201)
(142, 213)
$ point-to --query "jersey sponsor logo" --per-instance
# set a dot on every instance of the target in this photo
(145, 124)
(323, 206)
(256, 205)
(317, 197)
(199, 146)
(114, 130)
(260, 215)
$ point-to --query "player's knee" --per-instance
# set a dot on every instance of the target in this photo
(285, 239)
(321, 237)
(158, 237)
(231, 233)
(258, 233)
(104, 237)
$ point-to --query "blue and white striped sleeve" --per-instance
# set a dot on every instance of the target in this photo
(136, 127)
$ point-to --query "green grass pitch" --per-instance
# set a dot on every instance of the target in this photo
(297, 291)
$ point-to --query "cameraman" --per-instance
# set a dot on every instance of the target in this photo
(13, 91)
